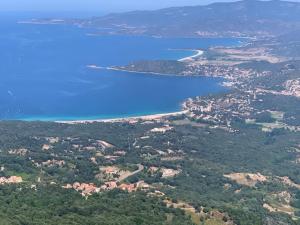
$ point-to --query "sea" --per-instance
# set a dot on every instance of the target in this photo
(44, 74)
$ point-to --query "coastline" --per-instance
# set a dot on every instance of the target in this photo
(189, 58)
(133, 119)
(152, 73)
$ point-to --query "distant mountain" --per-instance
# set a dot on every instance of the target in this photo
(242, 18)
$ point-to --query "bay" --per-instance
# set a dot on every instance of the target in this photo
(44, 73)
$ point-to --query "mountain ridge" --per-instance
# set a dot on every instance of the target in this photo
(241, 18)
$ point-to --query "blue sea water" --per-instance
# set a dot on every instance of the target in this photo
(44, 74)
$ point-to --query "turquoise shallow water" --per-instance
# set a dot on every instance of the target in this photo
(43, 73)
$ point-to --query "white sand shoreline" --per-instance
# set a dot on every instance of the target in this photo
(126, 119)
(189, 58)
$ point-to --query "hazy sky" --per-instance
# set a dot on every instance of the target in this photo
(95, 5)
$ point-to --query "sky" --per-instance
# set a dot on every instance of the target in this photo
(96, 5)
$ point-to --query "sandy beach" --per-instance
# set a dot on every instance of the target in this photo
(199, 53)
(127, 119)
